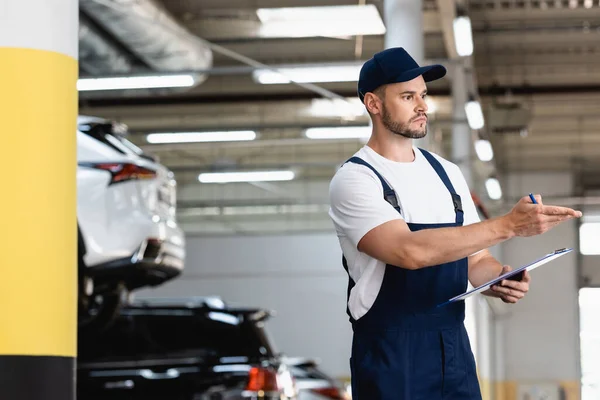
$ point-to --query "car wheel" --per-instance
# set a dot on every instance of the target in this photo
(98, 311)
(95, 311)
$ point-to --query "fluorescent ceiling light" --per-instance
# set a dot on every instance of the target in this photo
(589, 238)
(492, 185)
(474, 114)
(484, 150)
(463, 36)
(349, 108)
(329, 21)
(335, 73)
(135, 82)
(276, 209)
(343, 132)
(251, 176)
(196, 137)
(255, 210)
(588, 3)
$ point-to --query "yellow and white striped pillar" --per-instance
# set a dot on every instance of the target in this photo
(38, 246)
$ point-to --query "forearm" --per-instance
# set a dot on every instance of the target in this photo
(394, 243)
(484, 270)
(430, 247)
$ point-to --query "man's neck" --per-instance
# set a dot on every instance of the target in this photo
(393, 147)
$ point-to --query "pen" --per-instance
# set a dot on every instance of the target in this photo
(532, 198)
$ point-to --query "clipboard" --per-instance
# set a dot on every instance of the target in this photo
(512, 274)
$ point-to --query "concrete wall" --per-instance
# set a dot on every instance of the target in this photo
(589, 264)
(298, 276)
(483, 348)
(590, 270)
(539, 337)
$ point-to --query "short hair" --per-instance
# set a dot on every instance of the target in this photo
(380, 91)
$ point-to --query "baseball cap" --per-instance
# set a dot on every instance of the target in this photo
(394, 65)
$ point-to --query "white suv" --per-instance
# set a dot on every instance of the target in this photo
(127, 231)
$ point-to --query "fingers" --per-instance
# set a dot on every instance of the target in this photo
(508, 293)
(509, 299)
(552, 221)
(557, 219)
(512, 291)
(560, 211)
(551, 210)
(519, 286)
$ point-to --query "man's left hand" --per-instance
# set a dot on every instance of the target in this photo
(512, 291)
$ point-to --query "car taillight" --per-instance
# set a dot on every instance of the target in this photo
(262, 379)
(122, 172)
(330, 393)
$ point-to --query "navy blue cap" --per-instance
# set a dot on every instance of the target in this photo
(392, 66)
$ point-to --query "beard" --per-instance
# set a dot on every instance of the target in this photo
(402, 129)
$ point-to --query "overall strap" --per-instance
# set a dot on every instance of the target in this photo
(351, 285)
(444, 177)
(388, 193)
(390, 196)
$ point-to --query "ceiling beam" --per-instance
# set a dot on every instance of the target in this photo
(89, 105)
(447, 13)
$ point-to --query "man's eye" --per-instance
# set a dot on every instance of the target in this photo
(408, 97)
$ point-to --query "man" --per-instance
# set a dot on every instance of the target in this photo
(411, 240)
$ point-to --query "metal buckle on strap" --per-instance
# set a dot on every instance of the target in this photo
(390, 197)
(457, 202)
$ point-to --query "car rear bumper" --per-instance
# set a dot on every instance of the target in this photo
(159, 258)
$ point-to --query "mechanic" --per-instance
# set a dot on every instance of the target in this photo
(411, 240)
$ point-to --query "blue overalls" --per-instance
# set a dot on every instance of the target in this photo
(404, 347)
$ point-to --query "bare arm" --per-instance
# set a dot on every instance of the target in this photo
(483, 267)
(394, 243)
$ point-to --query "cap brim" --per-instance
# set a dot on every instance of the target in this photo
(429, 72)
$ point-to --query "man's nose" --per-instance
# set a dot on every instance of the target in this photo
(421, 105)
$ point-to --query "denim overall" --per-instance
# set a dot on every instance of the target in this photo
(404, 347)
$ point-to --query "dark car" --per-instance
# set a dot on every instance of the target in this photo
(183, 349)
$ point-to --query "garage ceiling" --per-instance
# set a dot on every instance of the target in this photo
(535, 64)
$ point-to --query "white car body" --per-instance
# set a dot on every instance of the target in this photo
(313, 384)
(127, 223)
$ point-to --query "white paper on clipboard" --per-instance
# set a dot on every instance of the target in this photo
(545, 259)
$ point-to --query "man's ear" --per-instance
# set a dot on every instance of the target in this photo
(373, 103)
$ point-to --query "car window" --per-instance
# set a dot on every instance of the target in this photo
(223, 338)
(179, 334)
(129, 145)
(106, 134)
(117, 144)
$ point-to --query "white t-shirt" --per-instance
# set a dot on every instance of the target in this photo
(357, 206)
